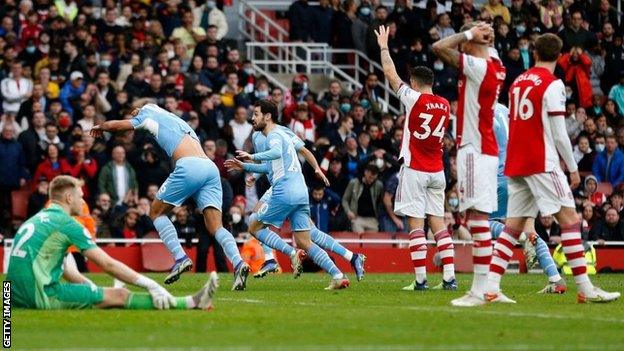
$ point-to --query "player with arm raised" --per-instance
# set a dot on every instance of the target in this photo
(537, 136)
(195, 175)
(36, 264)
(420, 193)
(289, 198)
(480, 80)
(318, 237)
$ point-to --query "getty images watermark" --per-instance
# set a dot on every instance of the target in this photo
(6, 314)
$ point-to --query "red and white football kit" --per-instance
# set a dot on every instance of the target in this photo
(421, 181)
(477, 157)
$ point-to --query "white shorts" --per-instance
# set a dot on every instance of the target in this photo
(544, 192)
(476, 180)
(420, 193)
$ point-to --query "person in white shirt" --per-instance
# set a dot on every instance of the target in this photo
(208, 14)
(88, 118)
(15, 89)
(241, 128)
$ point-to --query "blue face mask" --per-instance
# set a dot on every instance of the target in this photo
(520, 29)
(438, 66)
(365, 11)
(600, 147)
(345, 107)
(365, 103)
(454, 202)
(211, 4)
(31, 49)
(262, 94)
(105, 63)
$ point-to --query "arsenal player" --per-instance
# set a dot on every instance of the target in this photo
(420, 193)
(481, 77)
(537, 136)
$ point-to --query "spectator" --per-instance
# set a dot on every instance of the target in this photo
(207, 15)
(237, 220)
(338, 180)
(574, 35)
(13, 173)
(241, 128)
(300, 21)
(185, 226)
(30, 138)
(333, 94)
(573, 125)
(53, 165)
(617, 94)
(321, 22)
(584, 155)
(38, 198)
(302, 125)
(117, 177)
(588, 217)
(188, 33)
(51, 137)
(83, 166)
(593, 197)
(443, 25)
(497, 8)
(390, 222)
(72, 90)
(323, 207)
(548, 229)
(609, 164)
(519, 12)
(15, 89)
(104, 206)
(37, 102)
(605, 14)
(344, 131)
(360, 201)
(610, 228)
(127, 226)
(577, 68)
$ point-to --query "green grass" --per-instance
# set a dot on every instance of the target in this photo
(279, 313)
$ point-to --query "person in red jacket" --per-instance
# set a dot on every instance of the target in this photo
(576, 66)
(83, 167)
(52, 166)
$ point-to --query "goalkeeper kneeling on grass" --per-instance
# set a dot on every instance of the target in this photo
(36, 264)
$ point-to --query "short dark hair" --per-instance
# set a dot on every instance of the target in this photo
(372, 168)
(422, 75)
(318, 187)
(269, 107)
(548, 47)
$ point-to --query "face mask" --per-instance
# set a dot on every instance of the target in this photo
(600, 147)
(379, 163)
(105, 63)
(438, 66)
(454, 202)
(365, 103)
(524, 47)
(170, 54)
(236, 218)
(345, 107)
(520, 29)
(31, 49)
(262, 94)
(211, 4)
(568, 95)
(365, 11)
(250, 71)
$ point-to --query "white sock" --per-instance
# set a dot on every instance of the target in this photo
(348, 255)
(555, 278)
(421, 277)
(479, 282)
(338, 276)
(269, 256)
(448, 272)
(190, 303)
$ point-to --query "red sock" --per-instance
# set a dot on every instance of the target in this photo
(500, 257)
(446, 249)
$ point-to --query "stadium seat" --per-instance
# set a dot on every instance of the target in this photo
(382, 235)
(19, 200)
(605, 188)
(156, 257)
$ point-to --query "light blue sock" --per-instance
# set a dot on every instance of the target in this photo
(496, 228)
(169, 236)
(328, 243)
(227, 242)
(271, 239)
(321, 258)
(546, 261)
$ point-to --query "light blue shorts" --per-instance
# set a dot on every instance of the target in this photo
(194, 177)
(501, 189)
(274, 213)
(267, 195)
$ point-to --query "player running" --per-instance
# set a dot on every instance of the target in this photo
(537, 136)
(36, 264)
(195, 175)
(535, 247)
(318, 237)
(420, 193)
(480, 80)
(289, 198)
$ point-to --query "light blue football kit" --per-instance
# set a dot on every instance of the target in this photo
(192, 177)
(501, 130)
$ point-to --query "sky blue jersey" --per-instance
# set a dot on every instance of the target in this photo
(501, 130)
(167, 128)
(259, 140)
(280, 159)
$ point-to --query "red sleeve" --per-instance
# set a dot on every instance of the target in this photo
(585, 61)
(317, 113)
(288, 111)
(90, 168)
(564, 61)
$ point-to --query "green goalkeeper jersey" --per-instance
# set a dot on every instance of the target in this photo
(37, 254)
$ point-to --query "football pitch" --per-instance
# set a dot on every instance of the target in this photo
(279, 313)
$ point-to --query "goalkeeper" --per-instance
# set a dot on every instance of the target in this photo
(36, 264)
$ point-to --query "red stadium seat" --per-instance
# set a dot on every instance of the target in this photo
(156, 257)
(605, 188)
(19, 200)
(384, 236)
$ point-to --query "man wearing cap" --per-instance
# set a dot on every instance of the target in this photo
(72, 90)
(15, 89)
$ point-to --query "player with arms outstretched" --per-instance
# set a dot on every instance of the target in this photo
(537, 136)
(267, 235)
(195, 175)
(289, 198)
(480, 79)
(420, 193)
(36, 264)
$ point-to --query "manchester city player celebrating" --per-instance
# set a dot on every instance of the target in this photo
(195, 175)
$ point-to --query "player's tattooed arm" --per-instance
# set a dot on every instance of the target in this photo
(389, 69)
(446, 49)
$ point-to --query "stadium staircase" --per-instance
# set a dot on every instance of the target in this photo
(273, 56)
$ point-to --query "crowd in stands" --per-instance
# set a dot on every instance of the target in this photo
(68, 65)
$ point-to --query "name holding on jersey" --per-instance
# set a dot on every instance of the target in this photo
(436, 106)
